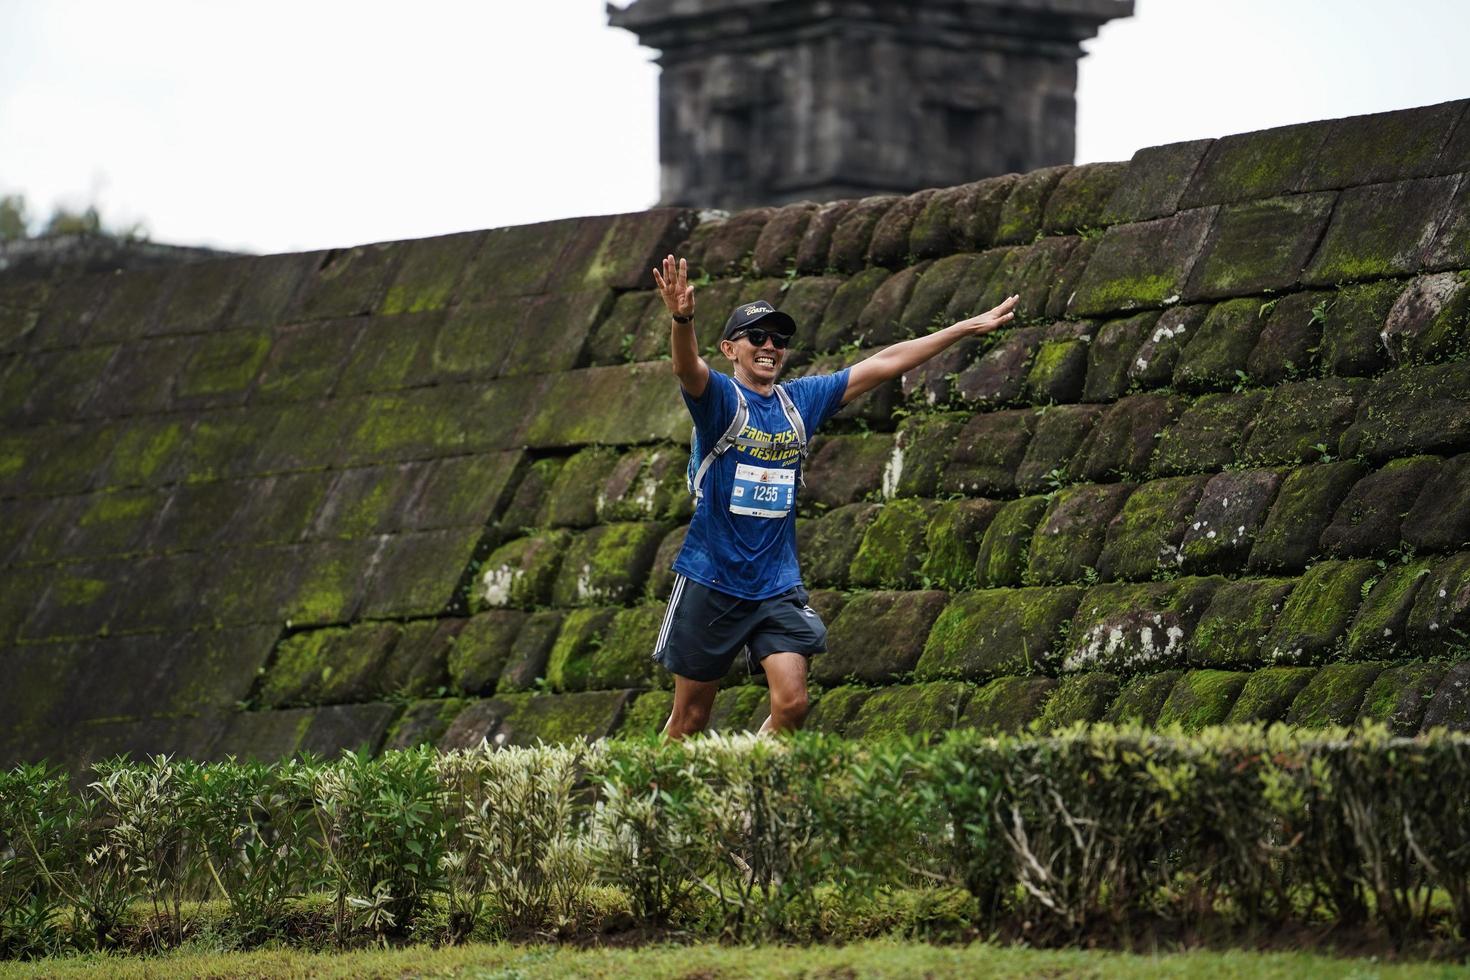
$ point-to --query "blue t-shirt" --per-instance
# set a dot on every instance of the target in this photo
(742, 540)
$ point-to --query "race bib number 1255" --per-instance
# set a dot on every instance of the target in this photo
(762, 491)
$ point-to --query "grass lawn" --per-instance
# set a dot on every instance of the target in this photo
(878, 958)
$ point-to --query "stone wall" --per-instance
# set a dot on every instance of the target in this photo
(430, 490)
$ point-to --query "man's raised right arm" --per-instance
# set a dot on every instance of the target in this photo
(678, 296)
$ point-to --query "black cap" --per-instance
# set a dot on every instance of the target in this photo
(747, 315)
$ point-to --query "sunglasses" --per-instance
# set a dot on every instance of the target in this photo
(758, 337)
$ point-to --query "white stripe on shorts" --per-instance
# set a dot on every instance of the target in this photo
(663, 631)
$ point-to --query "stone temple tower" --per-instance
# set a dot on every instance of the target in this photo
(773, 101)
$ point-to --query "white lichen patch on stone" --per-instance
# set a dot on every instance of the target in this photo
(1117, 647)
(499, 583)
(586, 591)
(893, 471)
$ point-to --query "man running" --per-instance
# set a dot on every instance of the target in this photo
(737, 586)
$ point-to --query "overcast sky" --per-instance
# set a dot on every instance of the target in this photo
(278, 125)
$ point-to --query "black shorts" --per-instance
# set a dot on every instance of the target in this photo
(704, 630)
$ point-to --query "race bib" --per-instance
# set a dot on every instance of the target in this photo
(762, 491)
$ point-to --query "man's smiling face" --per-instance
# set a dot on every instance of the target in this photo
(759, 364)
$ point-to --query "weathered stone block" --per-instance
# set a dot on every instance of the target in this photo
(329, 666)
(1383, 146)
(927, 306)
(1141, 265)
(1316, 615)
(893, 546)
(557, 329)
(1154, 181)
(648, 714)
(1450, 706)
(1081, 197)
(1268, 694)
(890, 243)
(1057, 371)
(1007, 704)
(572, 408)
(279, 509)
(845, 469)
(878, 324)
(570, 666)
(1378, 231)
(572, 500)
(1208, 434)
(1250, 166)
(419, 663)
(634, 326)
(1124, 439)
(806, 301)
(102, 524)
(475, 341)
(878, 637)
(979, 284)
(418, 423)
(20, 309)
(137, 380)
(1380, 627)
(1070, 536)
(853, 234)
(429, 272)
(999, 376)
(911, 710)
(829, 543)
(562, 718)
(80, 601)
(1352, 328)
(1302, 422)
(1078, 698)
(1064, 285)
(1413, 409)
(985, 634)
(1439, 520)
(419, 574)
(1142, 698)
(1153, 364)
(1111, 353)
(959, 217)
(661, 575)
(1143, 539)
(608, 564)
(332, 583)
(1033, 273)
(392, 352)
(1400, 697)
(1217, 355)
(1441, 614)
(736, 709)
(68, 314)
(423, 722)
(1060, 432)
(987, 452)
(921, 453)
(1333, 695)
(1452, 242)
(1021, 216)
(1428, 320)
(952, 544)
(1237, 620)
(933, 382)
(522, 572)
(1260, 246)
(840, 319)
(650, 483)
(615, 252)
(834, 709)
(1006, 547)
(1229, 515)
(481, 650)
(463, 490)
(774, 253)
(728, 245)
(1304, 507)
(526, 664)
(1128, 628)
(1288, 344)
(1368, 520)
(1201, 698)
(816, 240)
(350, 281)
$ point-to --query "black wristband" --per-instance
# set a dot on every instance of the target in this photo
(683, 319)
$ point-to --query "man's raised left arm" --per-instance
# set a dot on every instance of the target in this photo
(890, 362)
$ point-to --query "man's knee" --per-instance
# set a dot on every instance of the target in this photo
(790, 702)
(690, 717)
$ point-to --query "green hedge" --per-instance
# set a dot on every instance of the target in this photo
(1091, 829)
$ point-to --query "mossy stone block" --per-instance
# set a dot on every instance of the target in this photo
(878, 636)
(80, 600)
(647, 484)
(1304, 506)
(351, 281)
(279, 509)
(464, 490)
(1007, 704)
(854, 233)
(1316, 616)
(1022, 214)
(1384, 146)
(1059, 433)
(980, 283)
(1034, 273)
(418, 667)
(526, 664)
(648, 714)
(1217, 355)
(835, 708)
(840, 319)
(562, 719)
(957, 218)
(570, 667)
(329, 666)
(222, 368)
(392, 352)
(138, 380)
(932, 383)
(774, 253)
(103, 524)
(572, 500)
(1302, 422)
(1268, 694)
(844, 469)
(423, 722)
(1057, 371)
(1237, 620)
(1005, 549)
(572, 408)
(429, 271)
(474, 341)
(1250, 166)
(931, 296)
(1142, 698)
(1201, 698)
(999, 376)
(68, 311)
(55, 386)
(1110, 354)
(1430, 319)
(20, 309)
(1064, 283)
(893, 548)
(736, 709)
(145, 451)
(1259, 246)
(805, 301)
(521, 573)
(1381, 626)
(1130, 628)
(1353, 324)
(1229, 515)
(481, 650)
(1153, 364)
(1399, 697)
(626, 656)
(1071, 534)
(829, 543)
(1207, 435)
(987, 452)
(1369, 519)
(1079, 698)
(661, 575)
(879, 321)
(420, 573)
(1441, 615)
(1291, 338)
(1439, 520)
(526, 508)
(816, 240)
(332, 583)
(1143, 538)
(1378, 230)
(921, 453)
(305, 361)
(952, 543)
(1413, 409)
(608, 564)
(985, 634)
(1125, 438)
(1141, 265)
(1452, 241)
(1081, 197)
(913, 710)
(1154, 181)
(729, 245)
(635, 321)
(1334, 695)
(1450, 706)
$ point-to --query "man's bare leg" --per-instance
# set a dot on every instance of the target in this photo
(692, 701)
(786, 673)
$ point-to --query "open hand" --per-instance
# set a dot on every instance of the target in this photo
(673, 286)
(991, 319)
